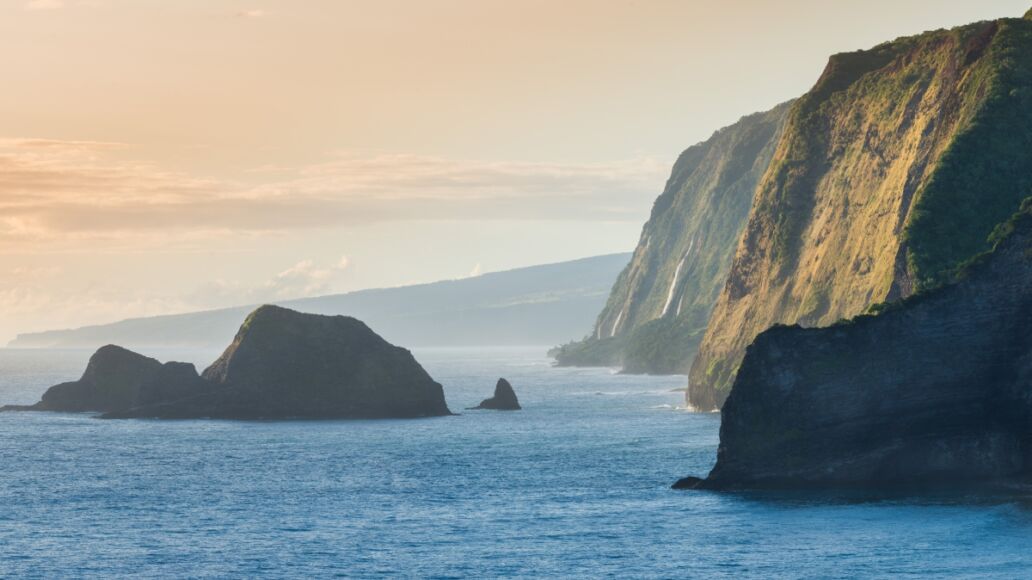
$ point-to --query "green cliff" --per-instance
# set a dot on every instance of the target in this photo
(892, 171)
(657, 311)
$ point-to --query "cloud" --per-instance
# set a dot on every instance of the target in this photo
(305, 278)
(301, 279)
(71, 192)
(38, 297)
(37, 303)
(255, 13)
(59, 144)
(44, 4)
(33, 272)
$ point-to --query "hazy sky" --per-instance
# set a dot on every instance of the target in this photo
(167, 155)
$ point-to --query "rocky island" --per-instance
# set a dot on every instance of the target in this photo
(281, 365)
(116, 380)
(504, 399)
(935, 389)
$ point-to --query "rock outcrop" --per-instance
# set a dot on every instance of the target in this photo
(657, 310)
(281, 365)
(117, 380)
(936, 389)
(891, 171)
(285, 364)
(504, 398)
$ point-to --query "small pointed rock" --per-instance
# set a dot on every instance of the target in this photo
(504, 398)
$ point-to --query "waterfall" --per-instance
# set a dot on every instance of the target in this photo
(617, 323)
(673, 283)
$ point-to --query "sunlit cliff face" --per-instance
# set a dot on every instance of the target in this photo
(165, 156)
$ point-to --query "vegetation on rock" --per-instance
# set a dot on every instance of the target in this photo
(892, 171)
(659, 306)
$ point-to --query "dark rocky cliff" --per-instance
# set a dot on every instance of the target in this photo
(935, 389)
(658, 307)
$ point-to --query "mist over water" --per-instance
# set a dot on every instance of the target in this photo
(577, 484)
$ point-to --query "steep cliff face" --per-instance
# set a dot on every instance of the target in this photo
(935, 389)
(658, 308)
(892, 170)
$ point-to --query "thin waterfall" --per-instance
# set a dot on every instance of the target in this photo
(616, 324)
(677, 276)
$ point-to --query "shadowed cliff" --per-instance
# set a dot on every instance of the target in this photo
(936, 389)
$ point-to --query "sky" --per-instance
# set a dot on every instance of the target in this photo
(161, 156)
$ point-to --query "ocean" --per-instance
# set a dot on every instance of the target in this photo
(575, 485)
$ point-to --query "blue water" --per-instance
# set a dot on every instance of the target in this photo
(576, 485)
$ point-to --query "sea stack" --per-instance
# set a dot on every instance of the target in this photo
(117, 380)
(284, 364)
(504, 398)
(281, 365)
(935, 389)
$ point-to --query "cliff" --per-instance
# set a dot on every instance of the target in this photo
(657, 310)
(891, 171)
(936, 389)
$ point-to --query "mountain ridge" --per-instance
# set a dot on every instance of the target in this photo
(534, 305)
